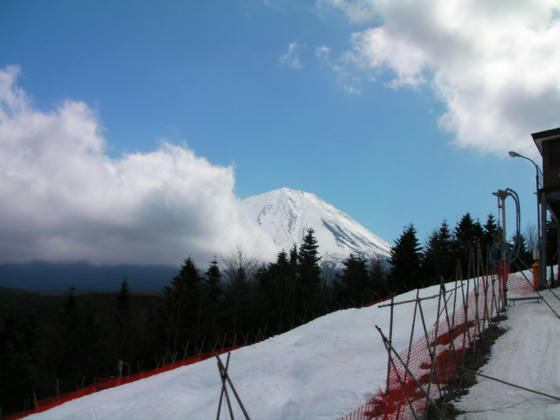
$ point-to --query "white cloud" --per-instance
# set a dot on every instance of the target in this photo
(65, 199)
(322, 52)
(291, 58)
(494, 65)
(351, 90)
(356, 10)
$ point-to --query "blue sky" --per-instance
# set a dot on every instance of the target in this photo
(390, 112)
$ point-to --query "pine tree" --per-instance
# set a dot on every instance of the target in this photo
(212, 283)
(405, 262)
(378, 278)
(292, 287)
(68, 314)
(491, 233)
(523, 258)
(183, 308)
(211, 297)
(468, 232)
(122, 324)
(468, 237)
(438, 260)
(18, 360)
(354, 285)
(308, 259)
(309, 274)
(76, 342)
(276, 287)
(123, 298)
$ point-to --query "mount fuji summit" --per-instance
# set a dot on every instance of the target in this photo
(286, 214)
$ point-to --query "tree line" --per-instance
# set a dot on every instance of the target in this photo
(447, 253)
(55, 344)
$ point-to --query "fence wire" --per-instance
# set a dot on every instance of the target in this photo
(417, 375)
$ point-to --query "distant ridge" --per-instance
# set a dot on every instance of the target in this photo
(56, 277)
(285, 214)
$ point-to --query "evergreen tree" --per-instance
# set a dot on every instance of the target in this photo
(438, 260)
(183, 308)
(354, 284)
(123, 323)
(468, 232)
(378, 278)
(76, 343)
(18, 360)
(68, 314)
(123, 298)
(491, 233)
(309, 274)
(212, 284)
(523, 258)
(292, 288)
(491, 240)
(405, 262)
(240, 302)
(294, 257)
(308, 259)
(211, 297)
(277, 285)
(468, 236)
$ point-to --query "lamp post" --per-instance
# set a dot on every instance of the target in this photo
(538, 186)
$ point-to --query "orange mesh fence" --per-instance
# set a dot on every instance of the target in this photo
(520, 285)
(105, 383)
(431, 361)
(417, 374)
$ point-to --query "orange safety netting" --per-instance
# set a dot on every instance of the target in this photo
(105, 383)
(418, 374)
(464, 312)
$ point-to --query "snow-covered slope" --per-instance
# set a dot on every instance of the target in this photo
(321, 370)
(286, 214)
(330, 366)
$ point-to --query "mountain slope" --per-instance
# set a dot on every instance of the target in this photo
(285, 214)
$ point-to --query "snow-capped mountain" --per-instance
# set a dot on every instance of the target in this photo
(286, 214)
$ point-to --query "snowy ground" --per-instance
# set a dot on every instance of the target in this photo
(321, 370)
(330, 366)
(528, 354)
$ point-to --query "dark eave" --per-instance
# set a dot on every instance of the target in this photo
(541, 136)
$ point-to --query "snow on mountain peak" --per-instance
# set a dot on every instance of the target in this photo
(285, 215)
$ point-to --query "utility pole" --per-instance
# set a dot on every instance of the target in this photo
(503, 265)
(502, 270)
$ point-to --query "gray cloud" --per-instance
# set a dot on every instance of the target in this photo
(65, 199)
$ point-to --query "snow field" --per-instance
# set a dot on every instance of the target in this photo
(528, 354)
(321, 370)
(332, 365)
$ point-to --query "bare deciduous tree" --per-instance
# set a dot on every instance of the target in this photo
(238, 261)
(531, 237)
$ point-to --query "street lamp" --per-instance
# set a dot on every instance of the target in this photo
(538, 169)
(538, 185)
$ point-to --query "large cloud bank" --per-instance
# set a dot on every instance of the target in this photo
(65, 199)
(495, 65)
